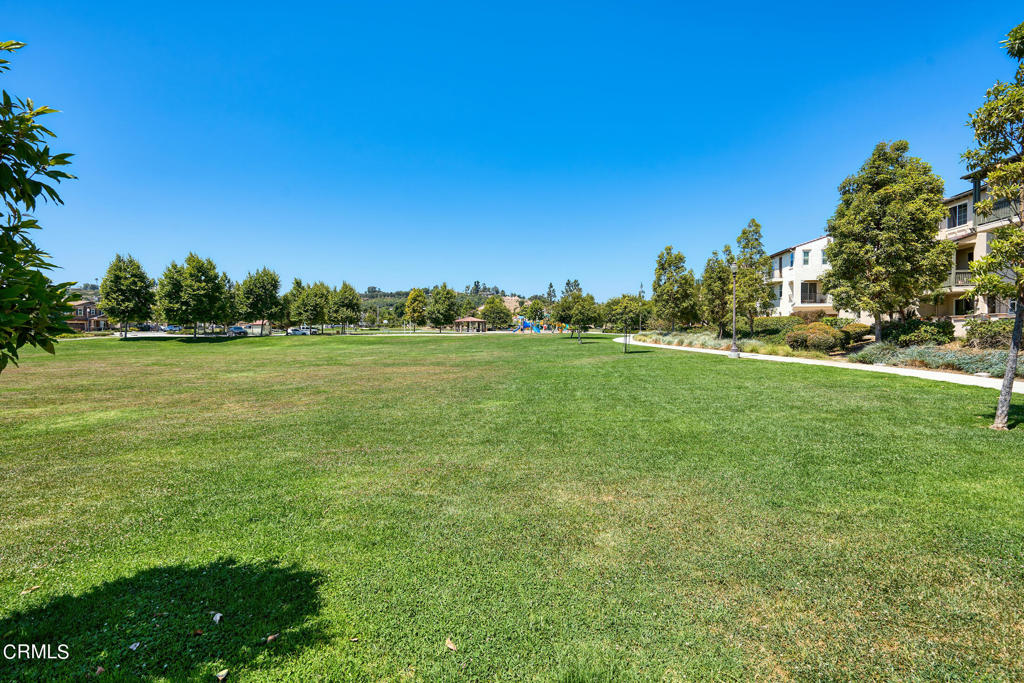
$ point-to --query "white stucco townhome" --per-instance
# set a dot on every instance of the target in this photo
(796, 271)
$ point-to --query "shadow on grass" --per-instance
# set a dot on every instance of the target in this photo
(185, 340)
(1015, 418)
(161, 609)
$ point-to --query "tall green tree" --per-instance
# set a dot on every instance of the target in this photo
(258, 296)
(716, 290)
(127, 293)
(533, 311)
(552, 295)
(496, 313)
(203, 290)
(416, 308)
(228, 309)
(312, 306)
(33, 309)
(572, 286)
(998, 157)
(170, 297)
(754, 294)
(285, 318)
(346, 306)
(884, 255)
(626, 311)
(443, 307)
(672, 290)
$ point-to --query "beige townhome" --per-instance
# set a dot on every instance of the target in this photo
(971, 234)
(796, 271)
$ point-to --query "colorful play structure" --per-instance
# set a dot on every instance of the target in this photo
(526, 327)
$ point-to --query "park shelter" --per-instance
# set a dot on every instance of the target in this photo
(470, 324)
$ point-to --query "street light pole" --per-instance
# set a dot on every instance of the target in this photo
(734, 352)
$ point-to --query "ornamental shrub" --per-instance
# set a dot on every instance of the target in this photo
(857, 331)
(837, 323)
(917, 332)
(817, 337)
(989, 334)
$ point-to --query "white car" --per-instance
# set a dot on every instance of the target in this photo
(298, 330)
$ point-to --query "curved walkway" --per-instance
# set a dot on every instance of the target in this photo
(938, 375)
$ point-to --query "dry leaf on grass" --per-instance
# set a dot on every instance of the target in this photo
(29, 590)
(197, 632)
(354, 640)
(99, 670)
(450, 645)
(271, 638)
(221, 675)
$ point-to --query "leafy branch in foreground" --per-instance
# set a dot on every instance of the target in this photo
(33, 309)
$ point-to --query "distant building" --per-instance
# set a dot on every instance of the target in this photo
(85, 317)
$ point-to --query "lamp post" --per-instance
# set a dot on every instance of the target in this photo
(734, 352)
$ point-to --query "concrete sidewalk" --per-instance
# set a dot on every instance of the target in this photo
(937, 375)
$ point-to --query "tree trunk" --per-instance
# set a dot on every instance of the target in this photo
(750, 318)
(1006, 391)
(195, 329)
(261, 328)
(878, 327)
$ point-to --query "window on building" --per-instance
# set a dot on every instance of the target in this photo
(963, 307)
(824, 258)
(807, 257)
(957, 216)
(791, 256)
(808, 292)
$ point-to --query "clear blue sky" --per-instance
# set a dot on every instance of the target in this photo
(401, 144)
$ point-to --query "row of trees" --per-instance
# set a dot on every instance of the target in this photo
(679, 297)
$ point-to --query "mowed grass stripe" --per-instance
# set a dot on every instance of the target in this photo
(560, 510)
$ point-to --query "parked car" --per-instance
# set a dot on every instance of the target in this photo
(310, 330)
(236, 331)
(172, 328)
(298, 330)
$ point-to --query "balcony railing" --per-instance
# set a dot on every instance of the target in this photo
(814, 298)
(1001, 210)
(959, 278)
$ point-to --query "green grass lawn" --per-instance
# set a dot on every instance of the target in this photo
(557, 510)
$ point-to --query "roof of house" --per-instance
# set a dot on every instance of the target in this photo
(787, 249)
(470, 319)
(83, 302)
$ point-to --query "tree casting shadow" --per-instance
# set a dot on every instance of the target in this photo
(1015, 418)
(182, 340)
(162, 609)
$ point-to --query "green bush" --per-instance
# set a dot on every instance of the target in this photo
(837, 323)
(857, 331)
(797, 339)
(816, 341)
(817, 336)
(989, 334)
(917, 332)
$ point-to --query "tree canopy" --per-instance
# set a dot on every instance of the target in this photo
(496, 313)
(258, 296)
(716, 290)
(443, 307)
(884, 255)
(998, 158)
(33, 309)
(673, 289)
(416, 308)
(127, 293)
(754, 294)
